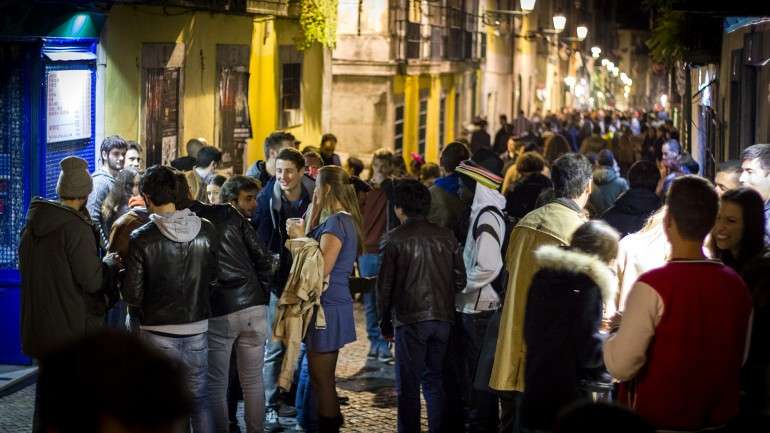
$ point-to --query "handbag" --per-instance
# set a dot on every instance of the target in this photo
(359, 284)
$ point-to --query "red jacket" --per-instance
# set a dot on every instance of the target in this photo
(691, 378)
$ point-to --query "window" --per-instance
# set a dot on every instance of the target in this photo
(413, 40)
(161, 101)
(441, 122)
(291, 86)
(436, 43)
(422, 126)
(398, 136)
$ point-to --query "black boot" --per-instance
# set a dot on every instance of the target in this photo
(330, 425)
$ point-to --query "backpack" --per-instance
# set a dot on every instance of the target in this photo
(500, 283)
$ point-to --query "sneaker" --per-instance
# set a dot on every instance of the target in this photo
(286, 411)
(271, 421)
(386, 356)
(372, 352)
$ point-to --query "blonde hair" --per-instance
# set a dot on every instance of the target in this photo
(342, 191)
(385, 156)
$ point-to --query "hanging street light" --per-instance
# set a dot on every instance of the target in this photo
(527, 5)
(582, 32)
(596, 52)
(559, 22)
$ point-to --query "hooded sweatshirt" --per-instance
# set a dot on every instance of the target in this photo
(482, 255)
(607, 187)
(103, 182)
(179, 226)
(61, 278)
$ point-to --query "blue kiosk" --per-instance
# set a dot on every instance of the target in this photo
(47, 112)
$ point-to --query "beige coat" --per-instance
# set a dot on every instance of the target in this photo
(552, 224)
(295, 308)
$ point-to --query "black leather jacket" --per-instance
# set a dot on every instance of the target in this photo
(168, 282)
(422, 270)
(244, 265)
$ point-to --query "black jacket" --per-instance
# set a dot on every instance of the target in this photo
(422, 270)
(63, 281)
(169, 282)
(631, 210)
(561, 331)
(244, 266)
(521, 198)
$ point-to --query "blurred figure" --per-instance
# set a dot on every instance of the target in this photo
(728, 176)
(206, 163)
(510, 154)
(328, 146)
(555, 146)
(630, 211)
(447, 209)
(755, 162)
(593, 143)
(354, 166)
(562, 322)
(607, 184)
(313, 162)
(692, 296)
(134, 156)
(429, 173)
(213, 188)
(480, 138)
(187, 162)
(502, 135)
(112, 382)
(521, 196)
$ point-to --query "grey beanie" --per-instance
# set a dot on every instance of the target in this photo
(74, 180)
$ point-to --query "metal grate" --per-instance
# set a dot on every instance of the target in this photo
(13, 126)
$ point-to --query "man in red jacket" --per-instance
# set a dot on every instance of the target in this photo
(683, 336)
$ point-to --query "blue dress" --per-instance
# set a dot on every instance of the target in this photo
(336, 300)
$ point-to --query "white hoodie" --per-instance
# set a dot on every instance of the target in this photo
(482, 257)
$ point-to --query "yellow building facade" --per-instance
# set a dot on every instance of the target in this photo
(129, 41)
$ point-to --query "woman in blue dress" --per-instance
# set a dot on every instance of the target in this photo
(339, 236)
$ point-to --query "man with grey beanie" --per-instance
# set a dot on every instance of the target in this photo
(63, 281)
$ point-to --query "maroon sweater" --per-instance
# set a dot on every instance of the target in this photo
(374, 212)
(691, 378)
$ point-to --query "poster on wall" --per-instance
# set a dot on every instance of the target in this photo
(69, 105)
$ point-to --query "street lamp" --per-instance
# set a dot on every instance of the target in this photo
(559, 21)
(527, 5)
(596, 52)
(582, 32)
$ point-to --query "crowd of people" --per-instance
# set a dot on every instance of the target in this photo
(575, 273)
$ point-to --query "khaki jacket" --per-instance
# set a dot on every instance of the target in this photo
(552, 224)
(296, 306)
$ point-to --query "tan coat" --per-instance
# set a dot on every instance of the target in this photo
(295, 308)
(552, 224)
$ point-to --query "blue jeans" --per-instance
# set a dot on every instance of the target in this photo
(369, 266)
(193, 353)
(307, 410)
(273, 358)
(420, 350)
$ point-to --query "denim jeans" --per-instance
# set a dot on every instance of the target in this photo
(481, 406)
(273, 358)
(193, 353)
(420, 350)
(247, 330)
(307, 410)
(369, 266)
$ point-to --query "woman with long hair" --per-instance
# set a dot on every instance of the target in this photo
(738, 234)
(738, 240)
(335, 223)
(116, 204)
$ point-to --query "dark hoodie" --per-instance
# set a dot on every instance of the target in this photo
(62, 278)
(607, 187)
(631, 210)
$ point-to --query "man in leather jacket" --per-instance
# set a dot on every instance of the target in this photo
(171, 265)
(421, 272)
(238, 306)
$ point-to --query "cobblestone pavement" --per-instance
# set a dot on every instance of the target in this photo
(369, 385)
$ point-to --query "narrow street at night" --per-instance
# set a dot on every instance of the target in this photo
(386, 216)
